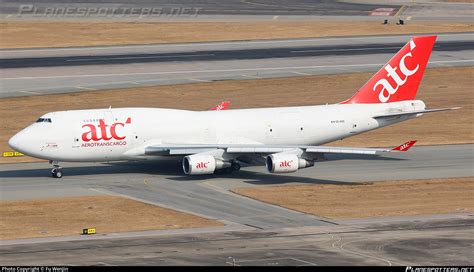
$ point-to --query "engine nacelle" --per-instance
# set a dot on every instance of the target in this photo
(202, 164)
(286, 163)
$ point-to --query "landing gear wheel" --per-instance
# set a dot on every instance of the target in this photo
(228, 170)
(235, 166)
(57, 173)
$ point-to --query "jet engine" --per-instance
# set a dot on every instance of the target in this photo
(201, 164)
(286, 163)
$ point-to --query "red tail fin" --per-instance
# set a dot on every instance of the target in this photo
(398, 79)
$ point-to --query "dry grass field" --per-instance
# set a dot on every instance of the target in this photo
(68, 216)
(374, 199)
(441, 87)
(66, 34)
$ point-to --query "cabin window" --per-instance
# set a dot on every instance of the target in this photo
(42, 120)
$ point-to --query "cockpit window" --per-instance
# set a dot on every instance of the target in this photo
(41, 120)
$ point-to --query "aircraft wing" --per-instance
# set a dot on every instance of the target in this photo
(188, 149)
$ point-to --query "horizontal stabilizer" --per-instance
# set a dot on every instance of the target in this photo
(395, 114)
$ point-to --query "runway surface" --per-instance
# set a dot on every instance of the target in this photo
(221, 55)
(207, 7)
(57, 70)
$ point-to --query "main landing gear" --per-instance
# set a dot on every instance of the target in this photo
(57, 171)
(228, 170)
(235, 166)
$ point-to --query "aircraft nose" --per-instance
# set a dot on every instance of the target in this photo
(15, 142)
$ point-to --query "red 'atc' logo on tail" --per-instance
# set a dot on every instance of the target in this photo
(399, 79)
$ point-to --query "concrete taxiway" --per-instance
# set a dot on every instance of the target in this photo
(163, 183)
(57, 70)
(409, 241)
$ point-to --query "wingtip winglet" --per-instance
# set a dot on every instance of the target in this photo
(405, 147)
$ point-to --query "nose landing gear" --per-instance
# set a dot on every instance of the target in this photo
(57, 171)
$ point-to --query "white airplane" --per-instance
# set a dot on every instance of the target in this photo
(285, 139)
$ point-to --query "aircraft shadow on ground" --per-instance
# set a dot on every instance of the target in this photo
(339, 157)
(174, 171)
(159, 168)
(259, 178)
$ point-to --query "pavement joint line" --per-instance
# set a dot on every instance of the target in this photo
(227, 70)
(217, 188)
(301, 73)
(344, 49)
(299, 260)
(268, 259)
(255, 227)
(141, 82)
(249, 76)
(85, 88)
(259, 4)
(199, 80)
(143, 57)
(30, 92)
